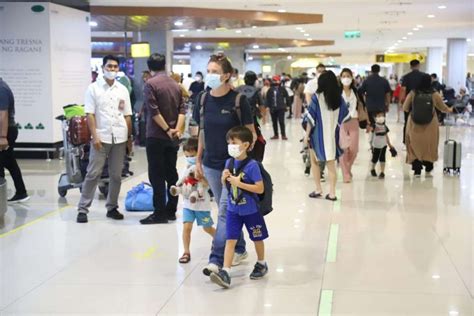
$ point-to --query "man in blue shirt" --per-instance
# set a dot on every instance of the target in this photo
(376, 91)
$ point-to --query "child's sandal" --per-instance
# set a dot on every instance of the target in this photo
(315, 195)
(334, 199)
(185, 258)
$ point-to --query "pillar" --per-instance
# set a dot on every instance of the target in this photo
(46, 60)
(434, 61)
(456, 63)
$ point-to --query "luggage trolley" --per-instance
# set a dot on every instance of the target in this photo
(76, 159)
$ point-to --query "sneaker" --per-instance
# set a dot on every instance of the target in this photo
(172, 217)
(259, 271)
(275, 137)
(284, 138)
(417, 173)
(19, 198)
(382, 175)
(82, 218)
(239, 257)
(307, 171)
(210, 268)
(323, 179)
(221, 278)
(115, 214)
(373, 173)
(152, 219)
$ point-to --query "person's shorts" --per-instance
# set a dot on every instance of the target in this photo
(203, 218)
(254, 223)
(378, 154)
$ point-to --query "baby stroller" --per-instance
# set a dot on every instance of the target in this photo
(76, 157)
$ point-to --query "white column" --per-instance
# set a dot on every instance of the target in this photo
(434, 61)
(457, 62)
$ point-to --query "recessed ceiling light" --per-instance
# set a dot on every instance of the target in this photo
(254, 27)
(238, 31)
(399, 41)
(178, 23)
(442, 7)
(416, 29)
(199, 30)
(435, 276)
(299, 28)
(468, 40)
(281, 49)
(404, 37)
(289, 57)
(93, 23)
(182, 35)
(256, 47)
(306, 34)
(419, 26)
(281, 11)
(431, 16)
(453, 313)
(410, 33)
(309, 39)
(198, 47)
(250, 58)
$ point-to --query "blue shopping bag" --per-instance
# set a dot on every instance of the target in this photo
(140, 198)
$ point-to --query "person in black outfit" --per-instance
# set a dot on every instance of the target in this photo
(410, 81)
(8, 136)
(278, 101)
(438, 87)
(377, 94)
(197, 86)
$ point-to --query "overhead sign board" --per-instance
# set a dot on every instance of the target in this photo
(352, 34)
(400, 58)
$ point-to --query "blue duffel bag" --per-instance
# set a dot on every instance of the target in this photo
(140, 198)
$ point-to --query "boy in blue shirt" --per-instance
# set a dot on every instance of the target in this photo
(244, 182)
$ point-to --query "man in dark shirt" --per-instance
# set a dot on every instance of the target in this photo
(410, 82)
(376, 91)
(196, 87)
(165, 117)
(435, 84)
(8, 136)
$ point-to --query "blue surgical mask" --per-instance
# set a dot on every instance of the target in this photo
(213, 81)
(191, 160)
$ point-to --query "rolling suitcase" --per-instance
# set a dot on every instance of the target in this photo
(452, 155)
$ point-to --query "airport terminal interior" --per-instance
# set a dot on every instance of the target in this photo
(91, 78)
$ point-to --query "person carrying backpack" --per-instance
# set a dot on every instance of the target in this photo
(422, 132)
(278, 101)
(217, 113)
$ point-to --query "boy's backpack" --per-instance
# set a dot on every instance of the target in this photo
(422, 108)
(264, 200)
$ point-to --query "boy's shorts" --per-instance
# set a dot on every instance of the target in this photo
(203, 218)
(378, 154)
(254, 223)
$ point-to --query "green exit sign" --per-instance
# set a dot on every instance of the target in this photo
(351, 34)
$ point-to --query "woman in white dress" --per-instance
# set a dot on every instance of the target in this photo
(325, 115)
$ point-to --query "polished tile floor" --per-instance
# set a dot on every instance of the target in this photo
(399, 246)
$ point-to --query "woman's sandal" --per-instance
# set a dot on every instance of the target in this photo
(185, 258)
(334, 199)
(315, 195)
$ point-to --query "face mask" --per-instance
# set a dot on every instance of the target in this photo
(110, 75)
(346, 81)
(234, 150)
(380, 119)
(198, 78)
(191, 160)
(213, 81)
(287, 84)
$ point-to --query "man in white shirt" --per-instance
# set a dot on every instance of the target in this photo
(108, 108)
(312, 85)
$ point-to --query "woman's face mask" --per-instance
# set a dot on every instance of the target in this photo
(213, 81)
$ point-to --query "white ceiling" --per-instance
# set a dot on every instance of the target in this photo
(381, 22)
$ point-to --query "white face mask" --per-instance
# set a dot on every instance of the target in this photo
(346, 81)
(198, 78)
(380, 119)
(110, 75)
(234, 150)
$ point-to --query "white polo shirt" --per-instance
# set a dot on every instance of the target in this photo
(110, 105)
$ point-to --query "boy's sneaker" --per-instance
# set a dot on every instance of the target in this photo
(19, 198)
(221, 278)
(259, 271)
(373, 173)
(210, 268)
(382, 176)
(239, 257)
(82, 218)
(307, 171)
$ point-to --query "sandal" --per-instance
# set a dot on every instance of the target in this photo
(185, 258)
(315, 195)
(334, 199)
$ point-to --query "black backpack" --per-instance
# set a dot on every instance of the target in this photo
(265, 200)
(422, 108)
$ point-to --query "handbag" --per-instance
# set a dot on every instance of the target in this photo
(140, 198)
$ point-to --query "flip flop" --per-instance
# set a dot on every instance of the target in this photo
(185, 258)
(315, 195)
(334, 199)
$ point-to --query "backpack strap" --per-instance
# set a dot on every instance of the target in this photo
(202, 102)
(236, 172)
(237, 108)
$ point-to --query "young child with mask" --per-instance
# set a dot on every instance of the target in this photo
(244, 182)
(200, 211)
(379, 143)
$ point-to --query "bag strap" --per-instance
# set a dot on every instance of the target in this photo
(236, 172)
(202, 102)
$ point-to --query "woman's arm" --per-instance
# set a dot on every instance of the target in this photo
(439, 104)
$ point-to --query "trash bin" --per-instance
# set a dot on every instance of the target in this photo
(3, 196)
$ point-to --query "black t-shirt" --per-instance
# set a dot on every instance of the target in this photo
(196, 87)
(219, 118)
(412, 80)
(7, 102)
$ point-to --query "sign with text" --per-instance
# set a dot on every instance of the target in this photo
(400, 58)
(351, 34)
